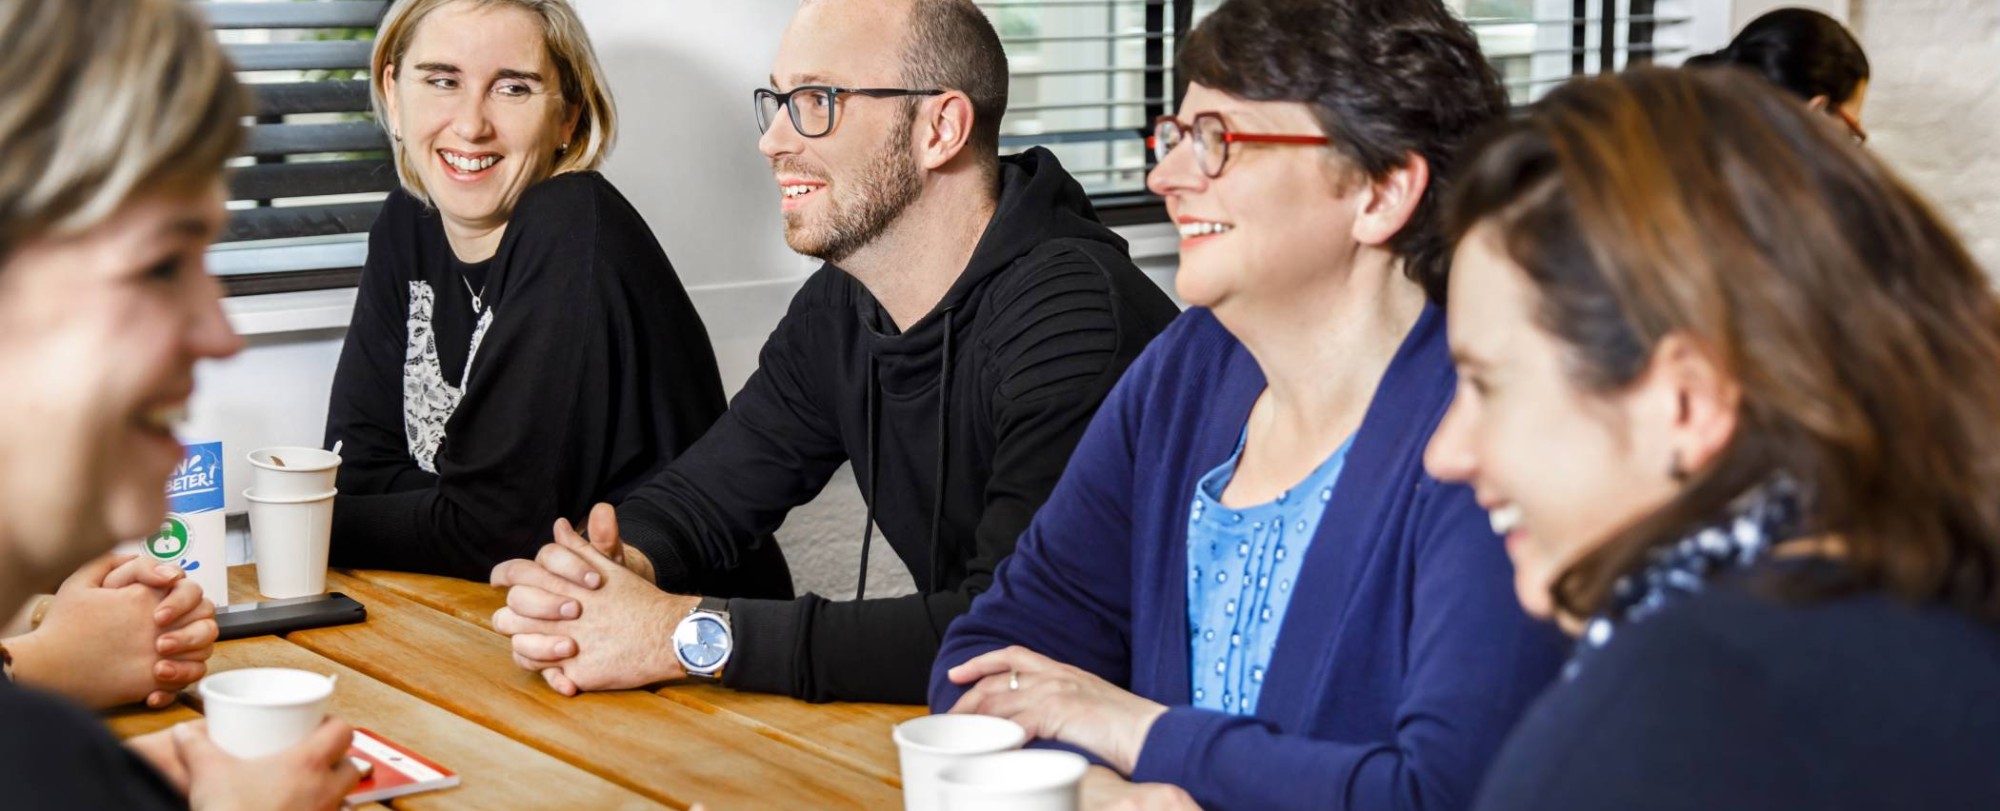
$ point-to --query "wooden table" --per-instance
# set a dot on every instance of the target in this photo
(427, 671)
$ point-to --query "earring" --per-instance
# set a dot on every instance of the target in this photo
(562, 149)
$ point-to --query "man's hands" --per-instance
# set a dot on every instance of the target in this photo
(584, 620)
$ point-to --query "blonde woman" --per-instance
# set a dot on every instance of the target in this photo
(117, 117)
(521, 348)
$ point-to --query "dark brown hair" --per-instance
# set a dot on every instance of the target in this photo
(1864, 338)
(1385, 78)
(1801, 50)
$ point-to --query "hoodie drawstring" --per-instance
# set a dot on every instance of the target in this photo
(868, 529)
(937, 494)
(937, 498)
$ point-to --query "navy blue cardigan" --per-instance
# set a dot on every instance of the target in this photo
(1404, 657)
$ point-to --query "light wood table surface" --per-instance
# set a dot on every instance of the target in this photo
(426, 670)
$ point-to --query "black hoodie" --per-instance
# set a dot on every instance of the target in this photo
(1011, 364)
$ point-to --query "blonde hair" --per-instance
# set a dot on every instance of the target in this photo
(104, 99)
(579, 80)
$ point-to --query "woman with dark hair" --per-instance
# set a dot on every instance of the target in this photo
(1810, 55)
(1244, 571)
(1729, 389)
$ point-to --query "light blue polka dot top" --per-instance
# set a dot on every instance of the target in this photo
(1242, 568)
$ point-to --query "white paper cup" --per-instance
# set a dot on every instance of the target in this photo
(260, 711)
(290, 536)
(305, 472)
(929, 744)
(1028, 780)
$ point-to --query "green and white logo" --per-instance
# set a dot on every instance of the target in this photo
(171, 542)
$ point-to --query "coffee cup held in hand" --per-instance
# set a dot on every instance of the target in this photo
(261, 711)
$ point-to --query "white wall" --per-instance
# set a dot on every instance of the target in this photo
(1933, 101)
(1933, 106)
(1747, 10)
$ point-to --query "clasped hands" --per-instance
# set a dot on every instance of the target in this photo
(585, 614)
(120, 629)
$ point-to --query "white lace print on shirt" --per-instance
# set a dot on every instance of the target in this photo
(428, 400)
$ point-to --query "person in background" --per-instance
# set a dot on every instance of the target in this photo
(1728, 386)
(1245, 586)
(1810, 55)
(114, 127)
(970, 317)
(520, 347)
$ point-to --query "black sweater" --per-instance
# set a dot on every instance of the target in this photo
(1011, 365)
(1734, 700)
(594, 372)
(55, 757)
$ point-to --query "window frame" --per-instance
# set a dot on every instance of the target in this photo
(1167, 21)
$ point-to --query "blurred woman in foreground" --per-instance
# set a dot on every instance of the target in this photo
(1730, 389)
(115, 122)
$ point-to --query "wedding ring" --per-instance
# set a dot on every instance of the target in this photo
(1013, 680)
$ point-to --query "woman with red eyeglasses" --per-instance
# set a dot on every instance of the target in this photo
(1245, 591)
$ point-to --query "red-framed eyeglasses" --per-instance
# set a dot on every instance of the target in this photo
(1212, 138)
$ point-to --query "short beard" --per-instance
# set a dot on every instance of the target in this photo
(882, 190)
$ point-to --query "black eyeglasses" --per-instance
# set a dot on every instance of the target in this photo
(812, 106)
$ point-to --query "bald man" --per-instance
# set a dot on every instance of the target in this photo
(970, 316)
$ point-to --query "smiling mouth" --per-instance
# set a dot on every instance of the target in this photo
(1201, 228)
(793, 195)
(163, 418)
(465, 164)
(1504, 519)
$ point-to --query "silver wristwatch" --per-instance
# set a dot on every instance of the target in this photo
(703, 640)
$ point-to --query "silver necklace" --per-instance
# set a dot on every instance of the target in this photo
(478, 302)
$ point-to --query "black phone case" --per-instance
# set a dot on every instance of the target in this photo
(280, 616)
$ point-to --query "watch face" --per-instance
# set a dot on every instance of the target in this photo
(702, 641)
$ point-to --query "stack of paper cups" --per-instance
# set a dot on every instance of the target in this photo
(927, 745)
(1023, 780)
(291, 518)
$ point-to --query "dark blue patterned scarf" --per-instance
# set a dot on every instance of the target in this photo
(1744, 535)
